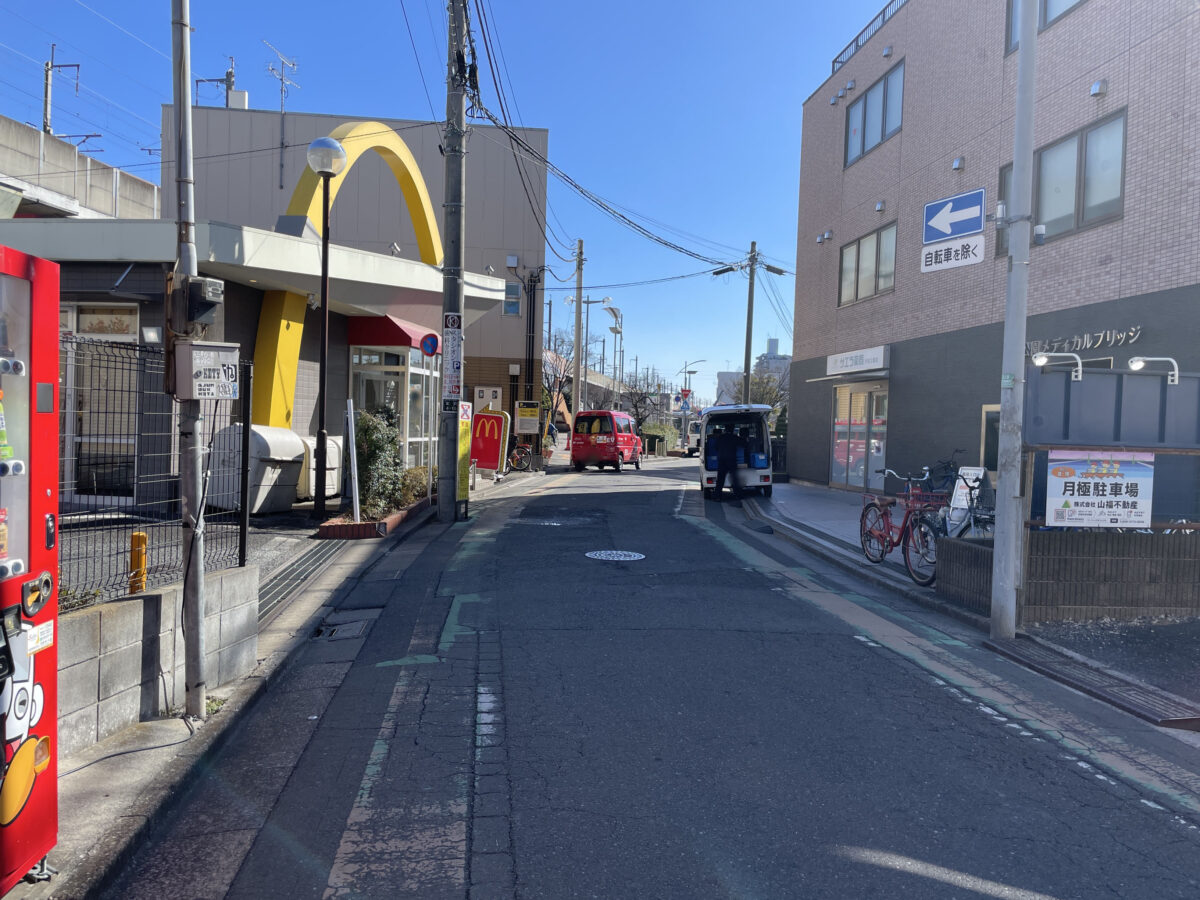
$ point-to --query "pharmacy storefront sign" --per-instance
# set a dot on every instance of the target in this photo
(1097, 489)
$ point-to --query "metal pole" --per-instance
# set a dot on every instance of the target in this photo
(749, 323)
(1010, 524)
(48, 84)
(323, 364)
(191, 469)
(455, 238)
(576, 384)
(244, 515)
(587, 347)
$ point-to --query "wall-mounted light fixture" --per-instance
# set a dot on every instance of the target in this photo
(1099, 87)
(879, 206)
(1138, 363)
(820, 238)
(828, 235)
(850, 85)
(960, 163)
(887, 52)
(841, 92)
(833, 101)
(1040, 359)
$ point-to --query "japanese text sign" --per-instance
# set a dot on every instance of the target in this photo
(1099, 489)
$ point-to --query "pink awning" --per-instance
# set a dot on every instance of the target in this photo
(388, 331)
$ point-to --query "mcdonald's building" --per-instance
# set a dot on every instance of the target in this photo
(258, 218)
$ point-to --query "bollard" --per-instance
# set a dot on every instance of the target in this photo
(138, 542)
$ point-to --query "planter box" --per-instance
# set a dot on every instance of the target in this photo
(373, 529)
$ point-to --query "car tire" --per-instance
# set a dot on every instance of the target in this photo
(637, 461)
(578, 466)
(619, 465)
(766, 492)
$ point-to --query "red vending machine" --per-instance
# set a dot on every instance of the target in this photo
(29, 455)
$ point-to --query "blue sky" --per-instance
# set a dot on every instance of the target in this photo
(685, 114)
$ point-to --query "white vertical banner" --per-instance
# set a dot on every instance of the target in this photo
(452, 335)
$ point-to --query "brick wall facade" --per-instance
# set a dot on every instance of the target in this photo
(958, 102)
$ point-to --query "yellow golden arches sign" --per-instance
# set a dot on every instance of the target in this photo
(281, 320)
(356, 139)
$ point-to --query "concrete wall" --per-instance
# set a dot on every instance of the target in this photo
(122, 662)
(67, 182)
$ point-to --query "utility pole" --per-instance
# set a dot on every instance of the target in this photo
(47, 82)
(753, 262)
(575, 382)
(1010, 518)
(454, 223)
(190, 423)
(749, 324)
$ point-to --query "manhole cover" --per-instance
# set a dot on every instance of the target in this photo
(619, 555)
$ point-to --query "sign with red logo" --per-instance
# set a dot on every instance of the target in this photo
(489, 439)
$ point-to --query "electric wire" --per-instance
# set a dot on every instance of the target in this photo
(592, 197)
(490, 45)
(416, 59)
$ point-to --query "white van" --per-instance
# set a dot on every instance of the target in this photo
(751, 424)
(693, 437)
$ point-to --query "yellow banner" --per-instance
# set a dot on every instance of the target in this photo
(464, 450)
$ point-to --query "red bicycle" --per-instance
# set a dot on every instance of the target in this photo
(915, 532)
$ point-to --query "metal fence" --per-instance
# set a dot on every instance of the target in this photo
(119, 471)
(867, 33)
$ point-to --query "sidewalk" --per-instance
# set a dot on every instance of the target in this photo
(111, 793)
(1163, 654)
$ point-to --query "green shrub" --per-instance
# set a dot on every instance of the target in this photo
(380, 465)
(414, 485)
(668, 436)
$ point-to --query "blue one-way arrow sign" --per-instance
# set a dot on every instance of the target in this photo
(954, 216)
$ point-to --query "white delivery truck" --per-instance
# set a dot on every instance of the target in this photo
(750, 423)
(693, 438)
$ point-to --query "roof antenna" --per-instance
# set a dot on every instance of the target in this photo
(284, 81)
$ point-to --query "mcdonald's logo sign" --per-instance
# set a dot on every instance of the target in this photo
(489, 435)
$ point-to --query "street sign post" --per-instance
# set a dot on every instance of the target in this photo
(953, 217)
(452, 335)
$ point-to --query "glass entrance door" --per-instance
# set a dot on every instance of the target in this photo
(859, 437)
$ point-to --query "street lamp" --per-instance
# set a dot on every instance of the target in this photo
(1040, 359)
(1139, 362)
(327, 158)
(581, 401)
(687, 372)
(617, 328)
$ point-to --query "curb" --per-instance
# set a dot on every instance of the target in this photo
(875, 574)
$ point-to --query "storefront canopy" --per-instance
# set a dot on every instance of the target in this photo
(388, 331)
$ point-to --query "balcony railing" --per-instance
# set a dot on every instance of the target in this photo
(867, 33)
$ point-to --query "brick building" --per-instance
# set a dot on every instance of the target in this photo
(898, 335)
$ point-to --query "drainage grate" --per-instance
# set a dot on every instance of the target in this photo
(1148, 704)
(341, 632)
(281, 586)
(615, 555)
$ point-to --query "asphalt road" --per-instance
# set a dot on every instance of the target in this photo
(492, 713)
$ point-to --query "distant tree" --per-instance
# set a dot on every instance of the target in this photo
(557, 363)
(643, 396)
(766, 388)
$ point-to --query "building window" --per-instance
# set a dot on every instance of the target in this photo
(1049, 12)
(868, 266)
(1078, 181)
(512, 298)
(875, 116)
